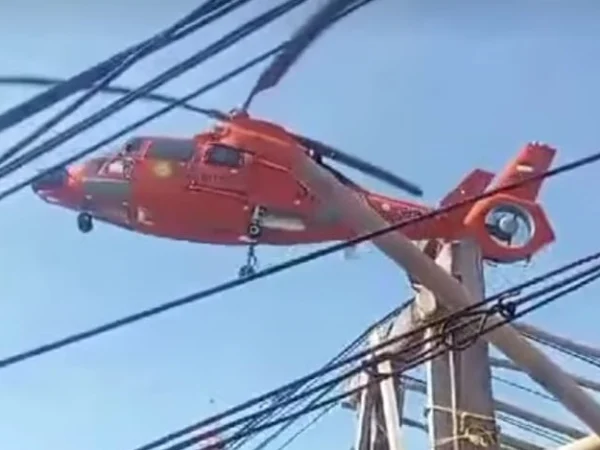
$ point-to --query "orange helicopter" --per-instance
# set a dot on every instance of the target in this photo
(235, 184)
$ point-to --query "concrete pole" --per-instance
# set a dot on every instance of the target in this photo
(359, 216)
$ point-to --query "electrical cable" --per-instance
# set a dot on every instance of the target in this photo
(38, 81)
(210, 51)
(349, 348)
(566, 351)
(89, 77)
(377, 348)
(577, 282)
(268, 271)
(309, 424)
(534, 429)
(215, 83)
(361, 339)
(524, 388)
(166, 38)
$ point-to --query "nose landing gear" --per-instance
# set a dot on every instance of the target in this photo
(85, 222)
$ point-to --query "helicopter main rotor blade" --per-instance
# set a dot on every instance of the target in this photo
(298, 43)
(365, 167)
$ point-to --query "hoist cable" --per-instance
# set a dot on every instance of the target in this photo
(89, 77)
(241, 69)
(268, 271)
(199, 57)
(564, 288)
(201, 17)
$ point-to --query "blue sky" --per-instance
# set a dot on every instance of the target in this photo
(428, 90)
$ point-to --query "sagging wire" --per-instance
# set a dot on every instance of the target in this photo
(361, 355)
(565, 350)
(313, 421)
(563, 288)
(138, 93)
(89, 77)
(294, 262)
(534, 429)
(347, 350)
(38, 81)
(199, 18)
(199, 57)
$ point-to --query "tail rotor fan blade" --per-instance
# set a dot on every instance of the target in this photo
(294, 48)
(365, 167)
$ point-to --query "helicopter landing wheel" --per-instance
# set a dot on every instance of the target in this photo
(246, 271)
(254, 231)
(85, 223)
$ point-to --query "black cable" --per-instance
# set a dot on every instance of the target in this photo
(215, 83)
(127, 320)
(374, 350)
(201, 17)
(349, 348)
(565, 350)
(39, 81)
(586, 278)
(557, 438)
(213, 49)
(88, 77)
(309, 424)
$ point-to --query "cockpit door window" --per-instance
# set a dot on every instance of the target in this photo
(224, 156)
(170, 149)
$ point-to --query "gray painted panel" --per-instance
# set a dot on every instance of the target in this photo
(107, 189)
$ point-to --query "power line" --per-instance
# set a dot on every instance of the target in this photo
(201, 56)
(563, 349)
(348, 349)
(294, 262)
(237, 71)
(562, 289)
(89, 77)
(199, 18)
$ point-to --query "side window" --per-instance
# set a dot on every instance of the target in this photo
(116, 167)
(177, 150)
(221, 155)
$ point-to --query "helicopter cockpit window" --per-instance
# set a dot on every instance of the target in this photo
(178, 150)
(221, 155)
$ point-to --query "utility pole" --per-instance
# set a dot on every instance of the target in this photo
(460, 402)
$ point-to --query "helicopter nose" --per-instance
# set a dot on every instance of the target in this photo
(52, 180)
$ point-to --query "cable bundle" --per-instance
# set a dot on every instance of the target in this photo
(472, 322)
